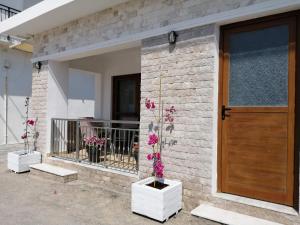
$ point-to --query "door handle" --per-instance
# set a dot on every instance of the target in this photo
(224, 109)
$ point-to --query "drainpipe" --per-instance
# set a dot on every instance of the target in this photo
(6, 67)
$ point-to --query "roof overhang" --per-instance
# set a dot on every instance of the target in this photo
(49, 14)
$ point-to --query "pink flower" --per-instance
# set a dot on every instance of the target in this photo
(24, 136)
(149, 156)
(152, 105)
(94, 141)
(159, 169)
(30, 122)
(169, 114)
(149, 105)
(153, 139)
(169, 118)
(156, 155)
(100, 141)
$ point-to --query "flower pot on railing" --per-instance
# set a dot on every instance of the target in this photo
(94, 154)
(94, 146)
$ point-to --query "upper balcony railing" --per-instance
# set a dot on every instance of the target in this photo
(7, 12)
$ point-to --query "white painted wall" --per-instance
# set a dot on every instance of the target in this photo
(117, 63)
(57, 96)
(82, 93)
(71, 94)
(19, 86)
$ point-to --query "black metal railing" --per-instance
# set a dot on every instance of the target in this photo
(110, 144)
(7, 12)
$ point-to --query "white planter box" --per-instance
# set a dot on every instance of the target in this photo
(154, 203)
(19, 161)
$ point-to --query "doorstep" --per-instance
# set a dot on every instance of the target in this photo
(53, 172)
(228, 217)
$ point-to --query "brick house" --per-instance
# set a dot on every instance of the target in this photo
(231, 76)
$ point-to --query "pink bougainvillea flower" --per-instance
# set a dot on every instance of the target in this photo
(159, 169)
(156, 155)
(149, 156)
(152, 105)
(149, 104)
(169, 114)
(100, 141)
(24, 136)
(30, 122)
(169, 118)
(172, 109)
(94, 141)
(153, 139)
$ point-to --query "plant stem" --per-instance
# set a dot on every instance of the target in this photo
(159, 115)
(26, 127)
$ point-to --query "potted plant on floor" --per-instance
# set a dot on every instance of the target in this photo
(157, 197)
(19, 161)
(94, 146)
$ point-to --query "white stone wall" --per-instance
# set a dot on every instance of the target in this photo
(187, 83)
(128, 18)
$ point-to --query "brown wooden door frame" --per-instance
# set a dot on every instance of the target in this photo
(115, 80)
(292, 126)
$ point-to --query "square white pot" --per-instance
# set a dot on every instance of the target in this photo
(154, 203)
(19, 161)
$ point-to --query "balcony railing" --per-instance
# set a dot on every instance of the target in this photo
(7, 12)
(108, 144)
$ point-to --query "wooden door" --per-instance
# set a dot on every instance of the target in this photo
(257, 110)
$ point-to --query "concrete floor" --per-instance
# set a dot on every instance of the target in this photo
(29, 200)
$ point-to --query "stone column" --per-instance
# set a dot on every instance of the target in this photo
(49, 99)
(188, 71)
(38, 104)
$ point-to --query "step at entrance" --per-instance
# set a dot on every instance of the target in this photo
(228, 217)
(53, 172)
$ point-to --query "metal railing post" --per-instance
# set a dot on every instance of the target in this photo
(77, 139)
(52, 138)
(7, 12)
(105, 147)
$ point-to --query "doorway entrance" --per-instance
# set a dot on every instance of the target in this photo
(257, 109)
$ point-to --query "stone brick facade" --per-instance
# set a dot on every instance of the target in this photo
(38, 105)
(128, 18)
(189, 78)
(189, 81)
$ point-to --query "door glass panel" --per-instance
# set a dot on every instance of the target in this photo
(259, 67)
(127, 96)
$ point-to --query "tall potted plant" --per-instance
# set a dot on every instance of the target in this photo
(157, 197)
(19, 161)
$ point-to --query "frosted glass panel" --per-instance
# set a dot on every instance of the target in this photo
(259, 67)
